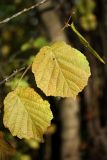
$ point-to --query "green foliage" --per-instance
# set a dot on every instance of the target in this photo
(40, 42)
(36, 43)
(84, 10)
(12, 84)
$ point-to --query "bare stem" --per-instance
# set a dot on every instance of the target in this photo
(12, 75)
(22, 11)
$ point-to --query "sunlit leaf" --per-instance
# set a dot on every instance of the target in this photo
(61, 70)
(26, 114)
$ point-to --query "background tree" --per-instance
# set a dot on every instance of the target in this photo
(21, 38)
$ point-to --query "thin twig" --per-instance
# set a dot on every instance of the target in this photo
(26, 70)
(12, 75)
(22, 11)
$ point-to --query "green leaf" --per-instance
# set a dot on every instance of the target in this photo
(13, 83)
(60, 70)
(35, 43)
(26, 114)
(40, 42)
(25, 46)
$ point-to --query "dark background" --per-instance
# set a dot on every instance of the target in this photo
(79, 128)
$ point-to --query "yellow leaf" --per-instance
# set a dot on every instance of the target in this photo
(26, 114)
(61, 70)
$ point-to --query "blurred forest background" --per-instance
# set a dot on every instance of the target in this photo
(79, 128)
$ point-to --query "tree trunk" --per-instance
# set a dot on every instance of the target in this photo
(70, 130)
(70, 123)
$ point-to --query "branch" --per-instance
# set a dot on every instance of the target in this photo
(12, 75)
(23, 11)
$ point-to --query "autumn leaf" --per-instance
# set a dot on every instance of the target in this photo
(61, 70)
(26, 114)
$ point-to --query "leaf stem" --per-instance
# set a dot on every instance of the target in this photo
(85, 43)
(24, 73)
